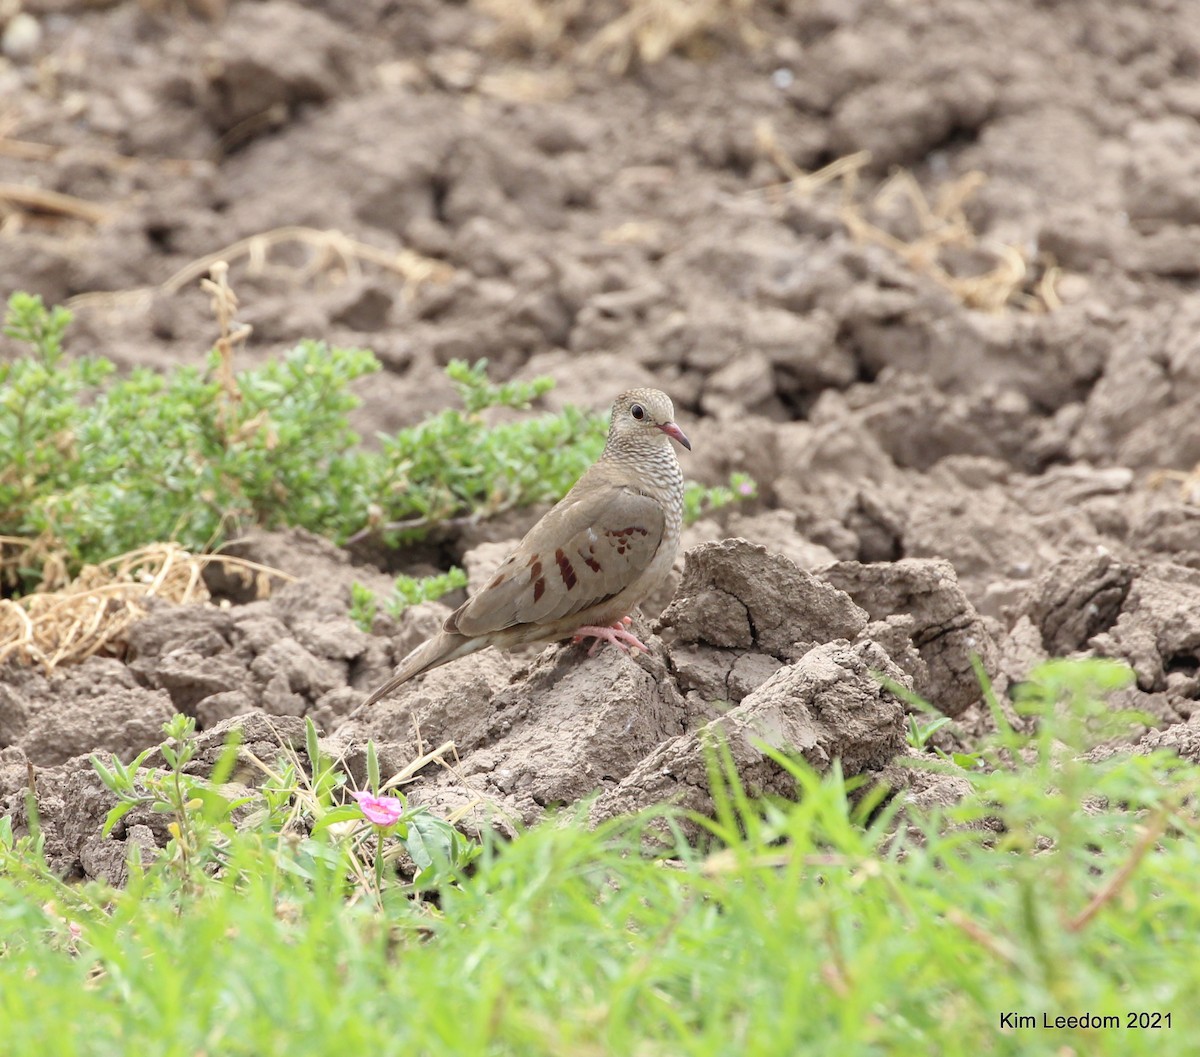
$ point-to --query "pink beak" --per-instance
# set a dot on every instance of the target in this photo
(675, 433)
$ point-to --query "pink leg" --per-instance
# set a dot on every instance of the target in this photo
(615, 633)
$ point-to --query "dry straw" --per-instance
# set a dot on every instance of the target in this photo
(93, 613)
(1014, 279)
(1187, 481)
(629, 31)
(327, 251)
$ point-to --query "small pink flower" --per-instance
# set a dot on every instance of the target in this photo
(381, 810)
(746, 488)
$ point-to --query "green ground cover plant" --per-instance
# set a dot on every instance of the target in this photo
(99, 464)
(839, 922)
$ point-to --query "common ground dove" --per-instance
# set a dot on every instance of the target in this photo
(594, 556)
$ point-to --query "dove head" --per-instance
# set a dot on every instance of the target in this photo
(642, 420)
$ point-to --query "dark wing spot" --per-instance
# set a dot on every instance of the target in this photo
(497, 580)
(539, 588)
(592, 564)
(565, 569)
(623, 538)
(536, 572)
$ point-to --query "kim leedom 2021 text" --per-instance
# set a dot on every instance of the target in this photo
(1085, 1020)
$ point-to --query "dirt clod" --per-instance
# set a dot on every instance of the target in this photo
(825, 705)
(942, 624)
(737, 594)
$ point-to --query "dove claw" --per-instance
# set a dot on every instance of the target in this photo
(615, 633)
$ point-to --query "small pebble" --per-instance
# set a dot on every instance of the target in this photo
(21, 36)
(783, 78)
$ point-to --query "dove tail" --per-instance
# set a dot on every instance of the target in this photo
(443, 647)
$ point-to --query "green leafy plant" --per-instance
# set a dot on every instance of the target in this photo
(102, 465)
(455, 466)
(406, 591)
(205, 813)
(699, 501)
(1066, 714)
(41, 397)
(440, 852)
(478, 393)
(918, 733)
(409, 590)
(363, 606)
(202, 812)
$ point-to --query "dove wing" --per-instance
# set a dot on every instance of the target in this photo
(586, 550)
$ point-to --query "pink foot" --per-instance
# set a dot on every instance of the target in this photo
(614, 633)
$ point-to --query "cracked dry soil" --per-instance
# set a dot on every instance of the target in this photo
(940, 475)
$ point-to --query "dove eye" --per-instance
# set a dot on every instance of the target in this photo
(638, 412)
